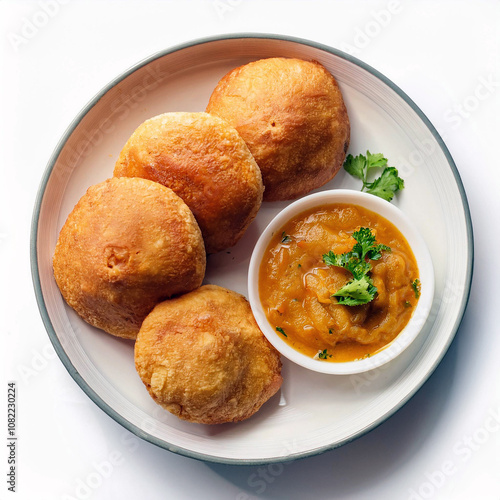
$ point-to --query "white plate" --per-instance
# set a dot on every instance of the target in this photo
(313, 412)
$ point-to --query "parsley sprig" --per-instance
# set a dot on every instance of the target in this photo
(384, 186)
(359, 290)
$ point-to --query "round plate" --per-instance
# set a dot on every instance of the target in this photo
(313, 412)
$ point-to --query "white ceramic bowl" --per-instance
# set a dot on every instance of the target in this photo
(414, 239)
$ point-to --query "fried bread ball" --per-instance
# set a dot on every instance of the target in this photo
(203, 357)
(292, 116)
(128, 244)
(204, 160)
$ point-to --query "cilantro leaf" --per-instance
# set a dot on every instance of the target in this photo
(280, 330)
(416, 287)
(364, 237)
(358, 267)
(358, 166)
(356, 292)
(355, 166)
(360, 290)
(334, 259)
(376, 160)
(366, 244)
(384, 186)
(324, 354)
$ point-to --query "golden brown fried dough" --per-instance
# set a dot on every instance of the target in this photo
(128, 244)
(203, 357)
(206, 162)
(292, 116)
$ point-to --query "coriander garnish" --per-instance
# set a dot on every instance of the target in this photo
(324, 354)
(360, 290)
(280, 330)
(384, 186)
(416, 287)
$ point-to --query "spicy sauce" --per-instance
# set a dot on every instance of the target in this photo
(296, 286)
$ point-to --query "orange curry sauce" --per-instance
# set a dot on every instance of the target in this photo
(296, 286)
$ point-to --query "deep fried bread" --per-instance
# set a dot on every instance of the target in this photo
(204, 160)
(203, 357)
(292, 116)
(128, 244)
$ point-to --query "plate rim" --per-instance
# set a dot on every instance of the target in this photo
(35, 266)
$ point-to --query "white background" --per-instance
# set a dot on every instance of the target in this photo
(445, 443)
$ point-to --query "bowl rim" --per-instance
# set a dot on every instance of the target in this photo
(407, 228)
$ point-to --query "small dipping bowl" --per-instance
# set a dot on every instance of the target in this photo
(416, 243)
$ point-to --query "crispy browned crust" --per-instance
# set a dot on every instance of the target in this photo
(292, 116)
(128, 244)
(206, 162)
(203, 357)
